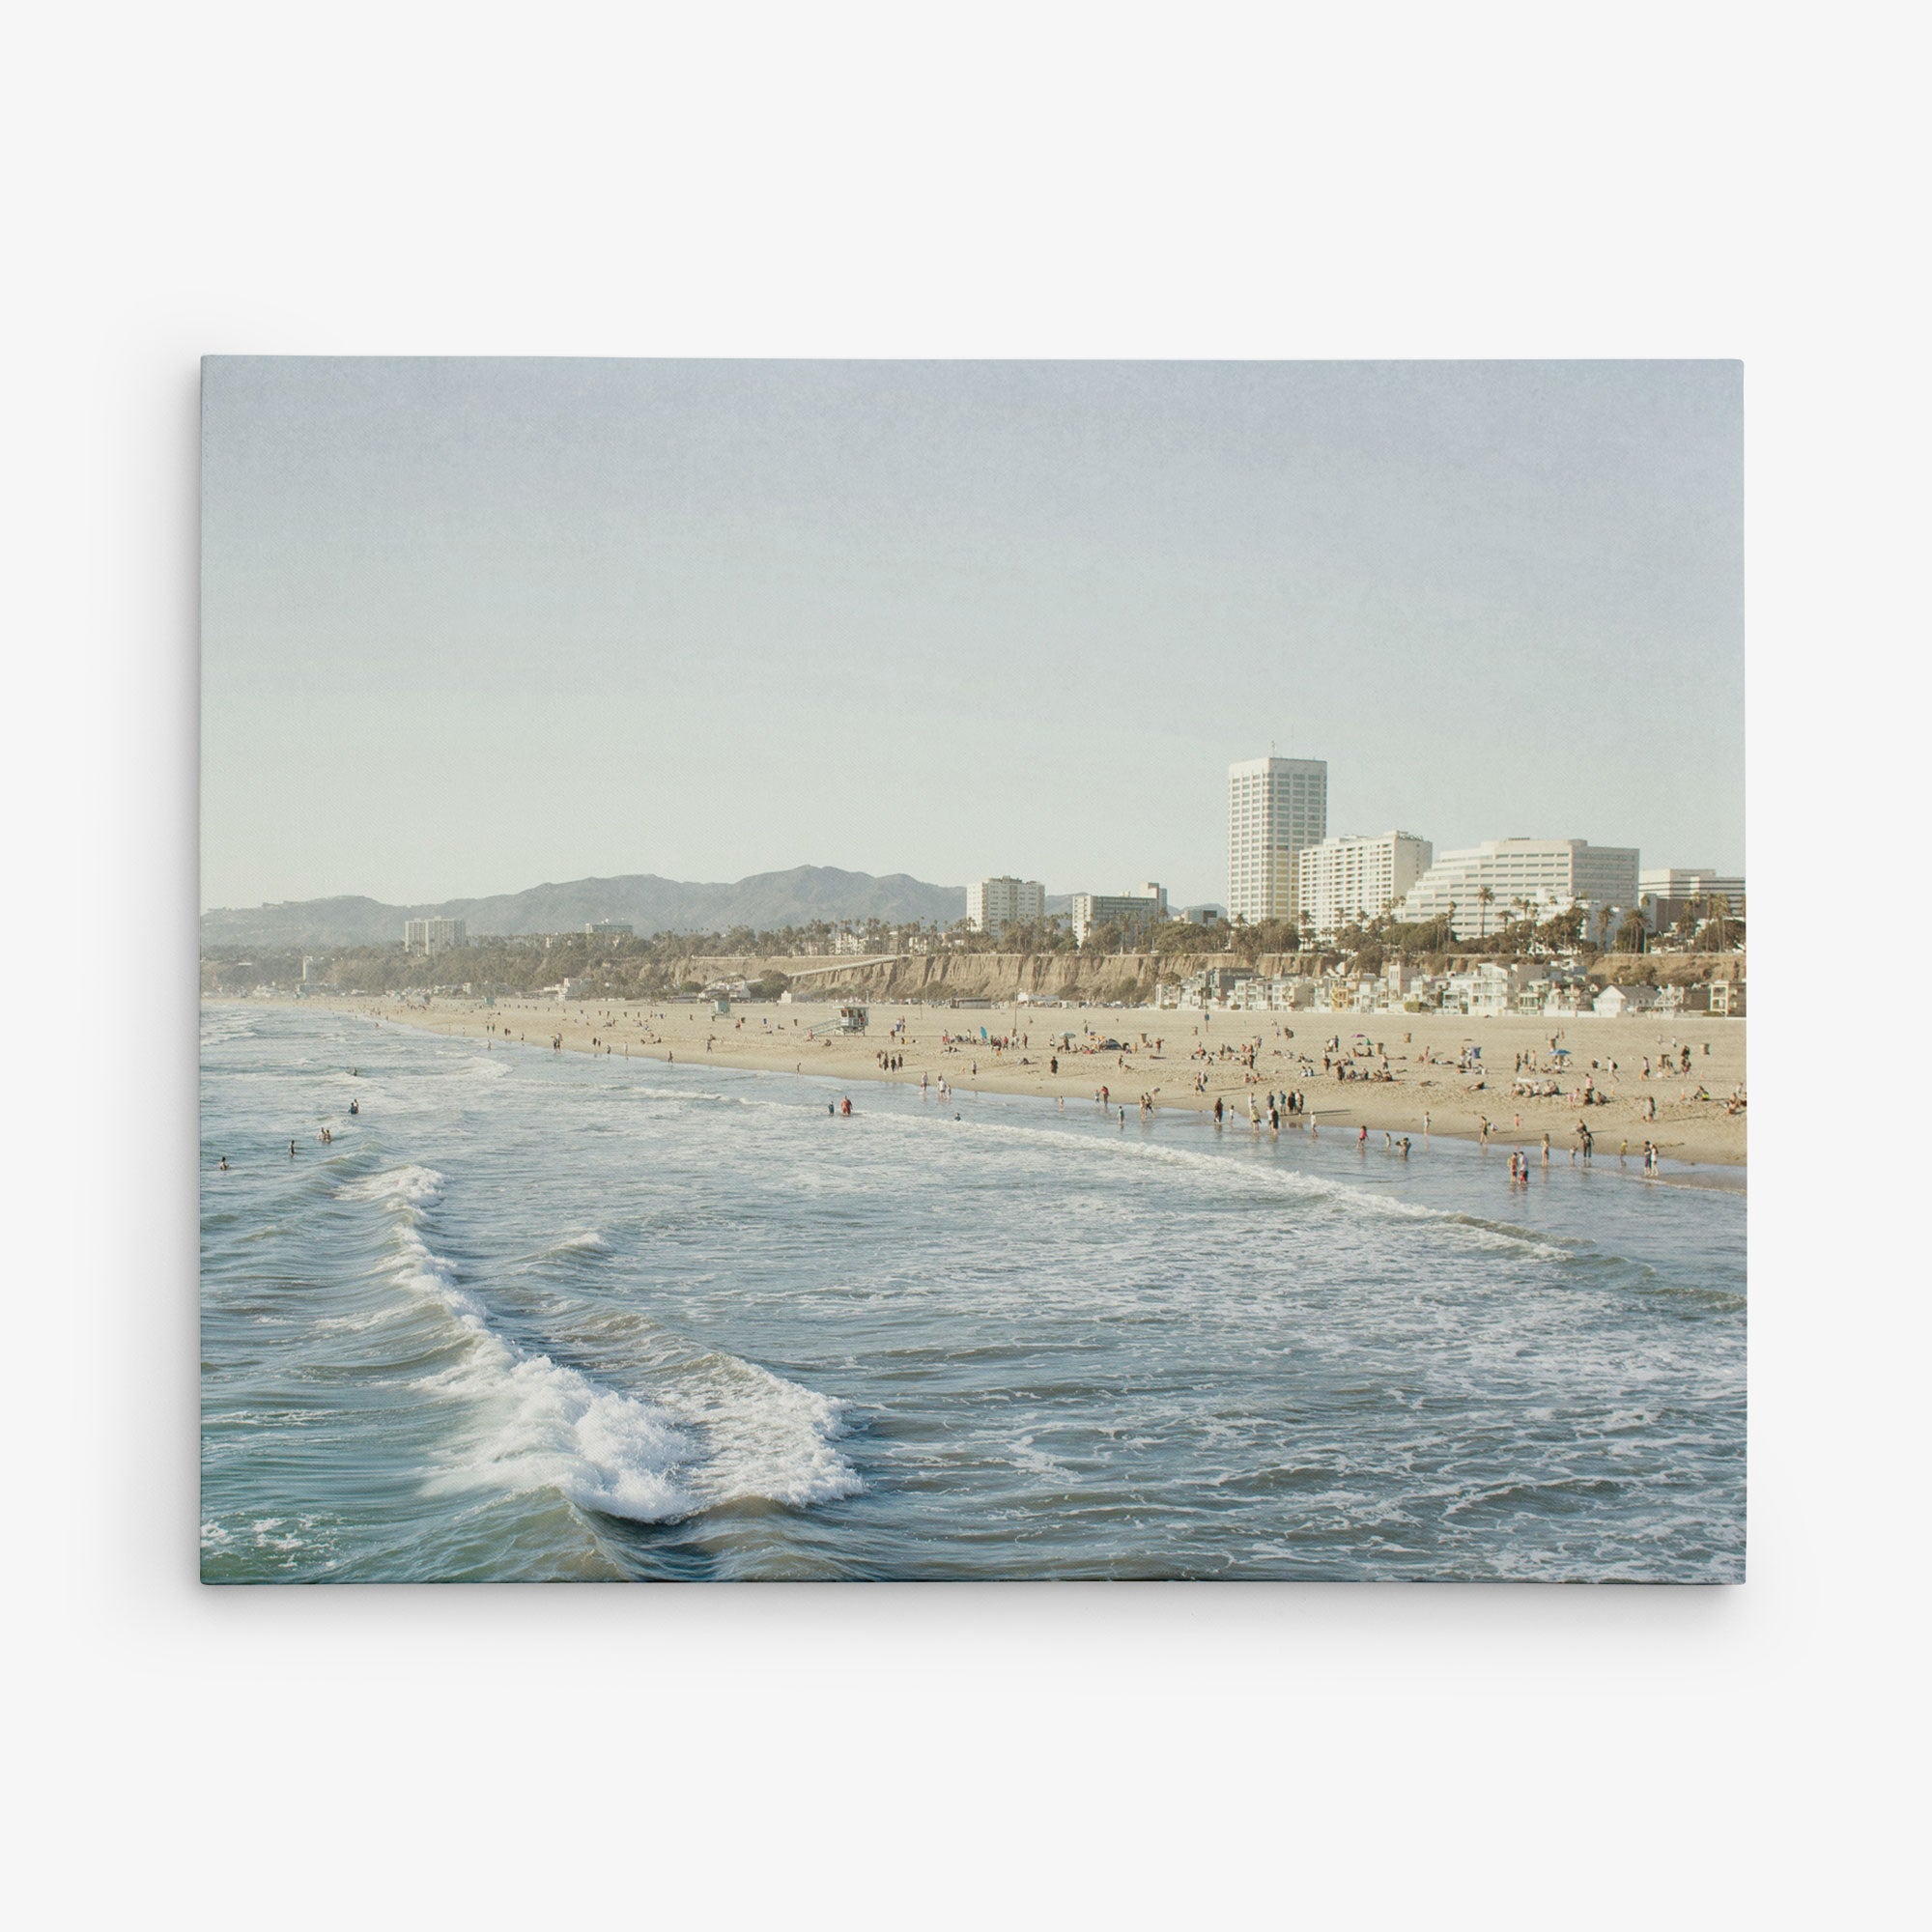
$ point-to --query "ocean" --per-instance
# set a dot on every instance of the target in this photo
(539, 1316)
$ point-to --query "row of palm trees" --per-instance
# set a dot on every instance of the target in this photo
(1632, 934)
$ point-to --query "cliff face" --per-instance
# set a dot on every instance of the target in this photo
(1133, 976)
(974, 975)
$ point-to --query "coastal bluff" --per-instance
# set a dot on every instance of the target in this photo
(1130, 978)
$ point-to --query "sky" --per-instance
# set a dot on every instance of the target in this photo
(470, 625)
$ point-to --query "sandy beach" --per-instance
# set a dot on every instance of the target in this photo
(1413, 1076)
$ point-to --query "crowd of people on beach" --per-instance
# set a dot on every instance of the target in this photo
(1549, 1074)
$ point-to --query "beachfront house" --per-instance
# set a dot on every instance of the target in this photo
(1555, 989)
(1614, 1002)
(1727, 997)
(1267, 994)
(1485, 990)
(1214, 986)
(1683, 1000)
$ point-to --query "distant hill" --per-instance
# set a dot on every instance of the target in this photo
(764, 901)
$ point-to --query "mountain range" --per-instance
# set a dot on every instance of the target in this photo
(763, 901)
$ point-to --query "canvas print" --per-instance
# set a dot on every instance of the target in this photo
(951, 971)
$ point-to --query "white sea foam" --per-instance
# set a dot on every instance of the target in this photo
(545, 1425)
(764, 1435)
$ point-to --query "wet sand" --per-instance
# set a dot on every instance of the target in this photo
(1427, 1089)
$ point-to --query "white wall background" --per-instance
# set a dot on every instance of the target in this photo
(1008, 181)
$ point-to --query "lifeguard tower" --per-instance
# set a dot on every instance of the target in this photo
(851, 1019)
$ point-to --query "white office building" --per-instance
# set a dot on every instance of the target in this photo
(431, 936)
(1667, 892)
(1352, 878)
(1275, 806)
(1145, 905)
(1485, 887)
(994, 904)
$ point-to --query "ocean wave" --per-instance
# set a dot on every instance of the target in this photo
(1288, 1182)
(411, 1186)
(727, 1429)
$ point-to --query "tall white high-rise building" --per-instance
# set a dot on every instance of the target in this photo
(992, 903)
(430, 936)
(1352, 878)
(1275, 806)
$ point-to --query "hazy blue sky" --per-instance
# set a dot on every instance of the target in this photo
(469, 625)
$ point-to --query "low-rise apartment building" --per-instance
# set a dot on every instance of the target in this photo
(1145, 906)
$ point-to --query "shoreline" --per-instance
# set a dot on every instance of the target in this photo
(1424, 1093)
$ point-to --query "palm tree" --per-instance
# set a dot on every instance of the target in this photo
(1721, 912)
(1485, 898)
